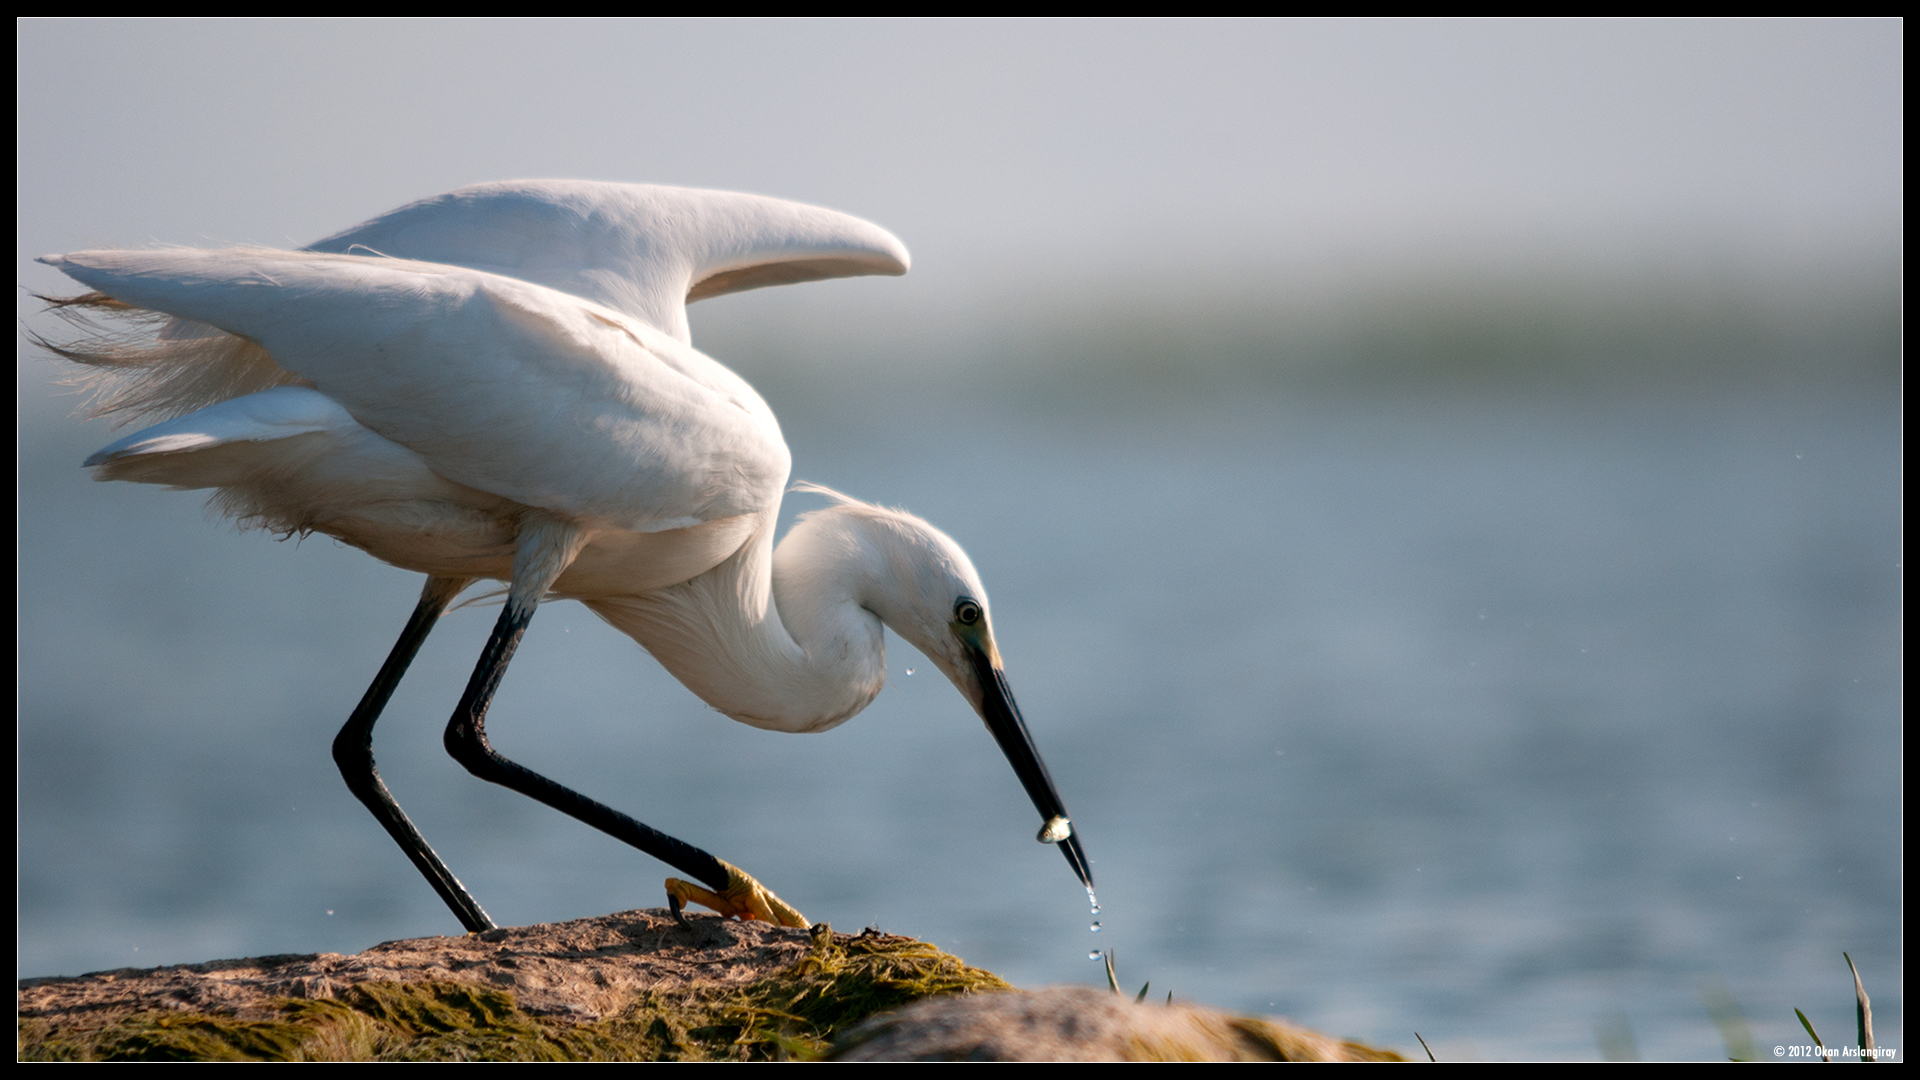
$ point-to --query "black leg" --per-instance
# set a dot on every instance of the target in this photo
(353, 752)
(467, 741)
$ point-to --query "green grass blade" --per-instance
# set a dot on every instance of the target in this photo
(1814, 1035)
(1730, 1019)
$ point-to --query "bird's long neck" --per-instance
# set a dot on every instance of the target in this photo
(769, 643)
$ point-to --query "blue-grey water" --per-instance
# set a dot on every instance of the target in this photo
(1499, 719)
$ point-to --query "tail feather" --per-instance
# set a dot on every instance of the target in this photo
(144, 365)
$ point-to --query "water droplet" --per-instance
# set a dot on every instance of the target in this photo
(1096, 909)
(1096, 925)
(1093, 955)
(909, 671)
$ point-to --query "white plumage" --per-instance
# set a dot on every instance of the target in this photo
(499, 383)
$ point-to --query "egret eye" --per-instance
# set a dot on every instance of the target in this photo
(966, 611)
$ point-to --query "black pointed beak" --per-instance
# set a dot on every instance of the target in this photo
(1010, 731)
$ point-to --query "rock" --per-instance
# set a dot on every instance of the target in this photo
(585, 969)
(630, 986)
(1076, 1023)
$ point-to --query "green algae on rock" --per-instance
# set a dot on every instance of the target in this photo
(632, 986)
(635, 986)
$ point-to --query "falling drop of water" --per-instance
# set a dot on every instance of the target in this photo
(909, 671)
(1094, 903)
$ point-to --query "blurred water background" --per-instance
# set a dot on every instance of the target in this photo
(1479, 615)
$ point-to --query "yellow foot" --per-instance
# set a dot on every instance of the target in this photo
(743, 898)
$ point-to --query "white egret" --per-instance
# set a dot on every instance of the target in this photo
(498, 383)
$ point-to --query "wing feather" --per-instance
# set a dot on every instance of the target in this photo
(645, 250)
(499, 384)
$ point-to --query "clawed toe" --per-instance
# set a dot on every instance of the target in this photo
(743, 898)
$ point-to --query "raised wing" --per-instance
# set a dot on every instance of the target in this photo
(642, 249)
(499, 384)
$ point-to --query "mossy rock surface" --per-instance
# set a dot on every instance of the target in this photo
(632, 986)
(635, 986)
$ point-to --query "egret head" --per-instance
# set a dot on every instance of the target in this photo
(922, 585)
